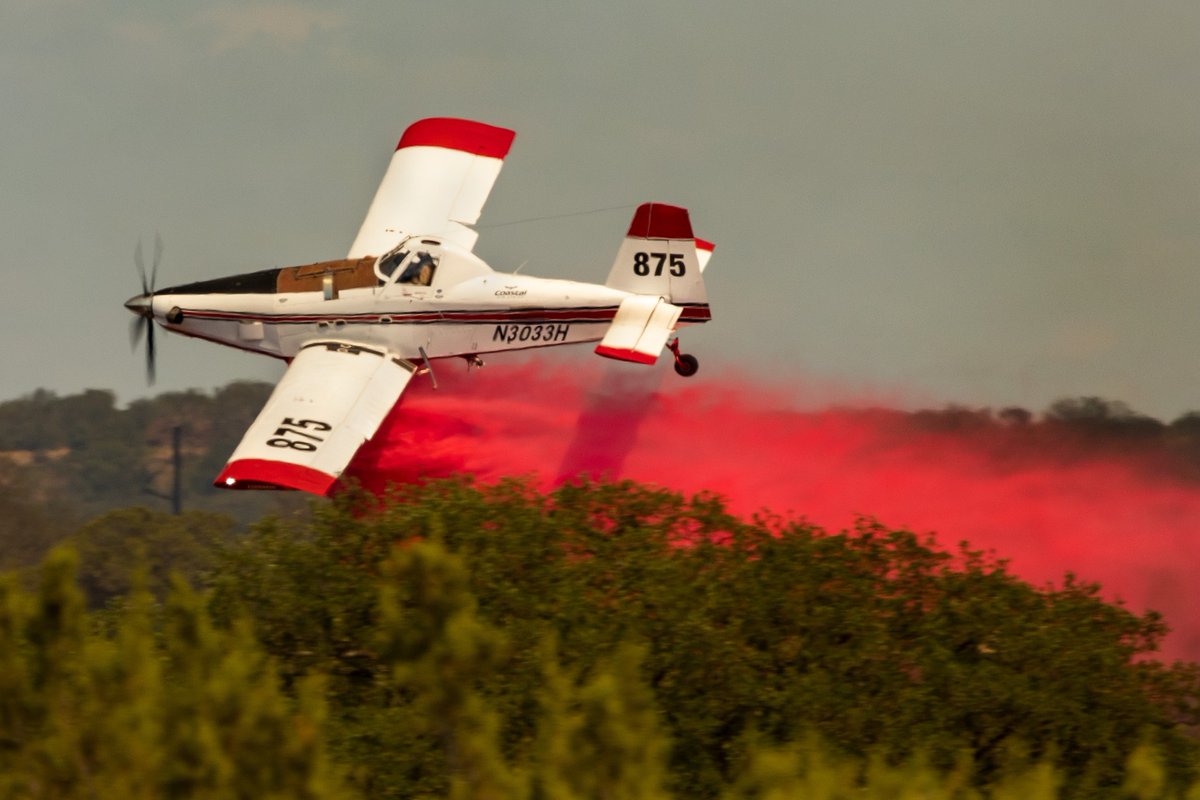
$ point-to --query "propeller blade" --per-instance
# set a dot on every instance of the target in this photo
(143, 306)
(158, 251)
(140, 263)
(150, 352)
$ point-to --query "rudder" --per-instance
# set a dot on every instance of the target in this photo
(659, 257)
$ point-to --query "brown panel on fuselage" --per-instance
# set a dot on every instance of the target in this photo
(347, 274)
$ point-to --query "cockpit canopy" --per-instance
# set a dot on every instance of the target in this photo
(426, 261)
(414, 267)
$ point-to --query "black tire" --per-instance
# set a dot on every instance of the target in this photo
(687, 365)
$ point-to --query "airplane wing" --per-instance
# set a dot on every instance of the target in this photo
(438, 180)
(332, 398)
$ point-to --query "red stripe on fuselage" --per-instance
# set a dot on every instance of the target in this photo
(691, 313)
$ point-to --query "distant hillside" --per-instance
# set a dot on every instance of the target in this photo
(1071, 429)
(66, 459)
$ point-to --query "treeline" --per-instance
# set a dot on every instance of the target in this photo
(601, 641)
(84, 450)
(1105, 422)
(88, 455)
(1069, 431)
(64, 460)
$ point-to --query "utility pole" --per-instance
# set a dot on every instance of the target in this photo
(176, 495)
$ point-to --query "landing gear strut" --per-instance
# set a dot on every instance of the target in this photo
(685, 364)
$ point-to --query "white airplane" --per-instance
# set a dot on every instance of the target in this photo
(355, 331)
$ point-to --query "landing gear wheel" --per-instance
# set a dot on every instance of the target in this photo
(686, 365)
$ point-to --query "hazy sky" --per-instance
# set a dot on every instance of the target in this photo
(940, 202)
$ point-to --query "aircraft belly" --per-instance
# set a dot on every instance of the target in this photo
(440, 327)
(255, 335)
(447, 339)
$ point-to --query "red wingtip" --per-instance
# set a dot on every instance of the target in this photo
(660, 221)
(458, 134)
(702, 244)
(259, 473)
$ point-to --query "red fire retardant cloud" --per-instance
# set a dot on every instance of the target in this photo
(1107, 520)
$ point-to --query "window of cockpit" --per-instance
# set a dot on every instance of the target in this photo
(388, 264)
(419, 270)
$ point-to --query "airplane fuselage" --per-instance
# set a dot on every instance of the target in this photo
(467, 309)
(502, 312)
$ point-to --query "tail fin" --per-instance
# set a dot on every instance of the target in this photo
(659, 256)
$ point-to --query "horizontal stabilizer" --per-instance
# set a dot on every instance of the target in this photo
(640, 330)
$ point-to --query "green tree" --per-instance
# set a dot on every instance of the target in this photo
(125, 708)
(601, 739)
(440, 653)
(874, 639)
(118, 545)
(28, 527)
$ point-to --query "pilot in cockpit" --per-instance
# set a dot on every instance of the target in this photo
(420, 271)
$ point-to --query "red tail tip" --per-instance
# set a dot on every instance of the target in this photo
(660, 221)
